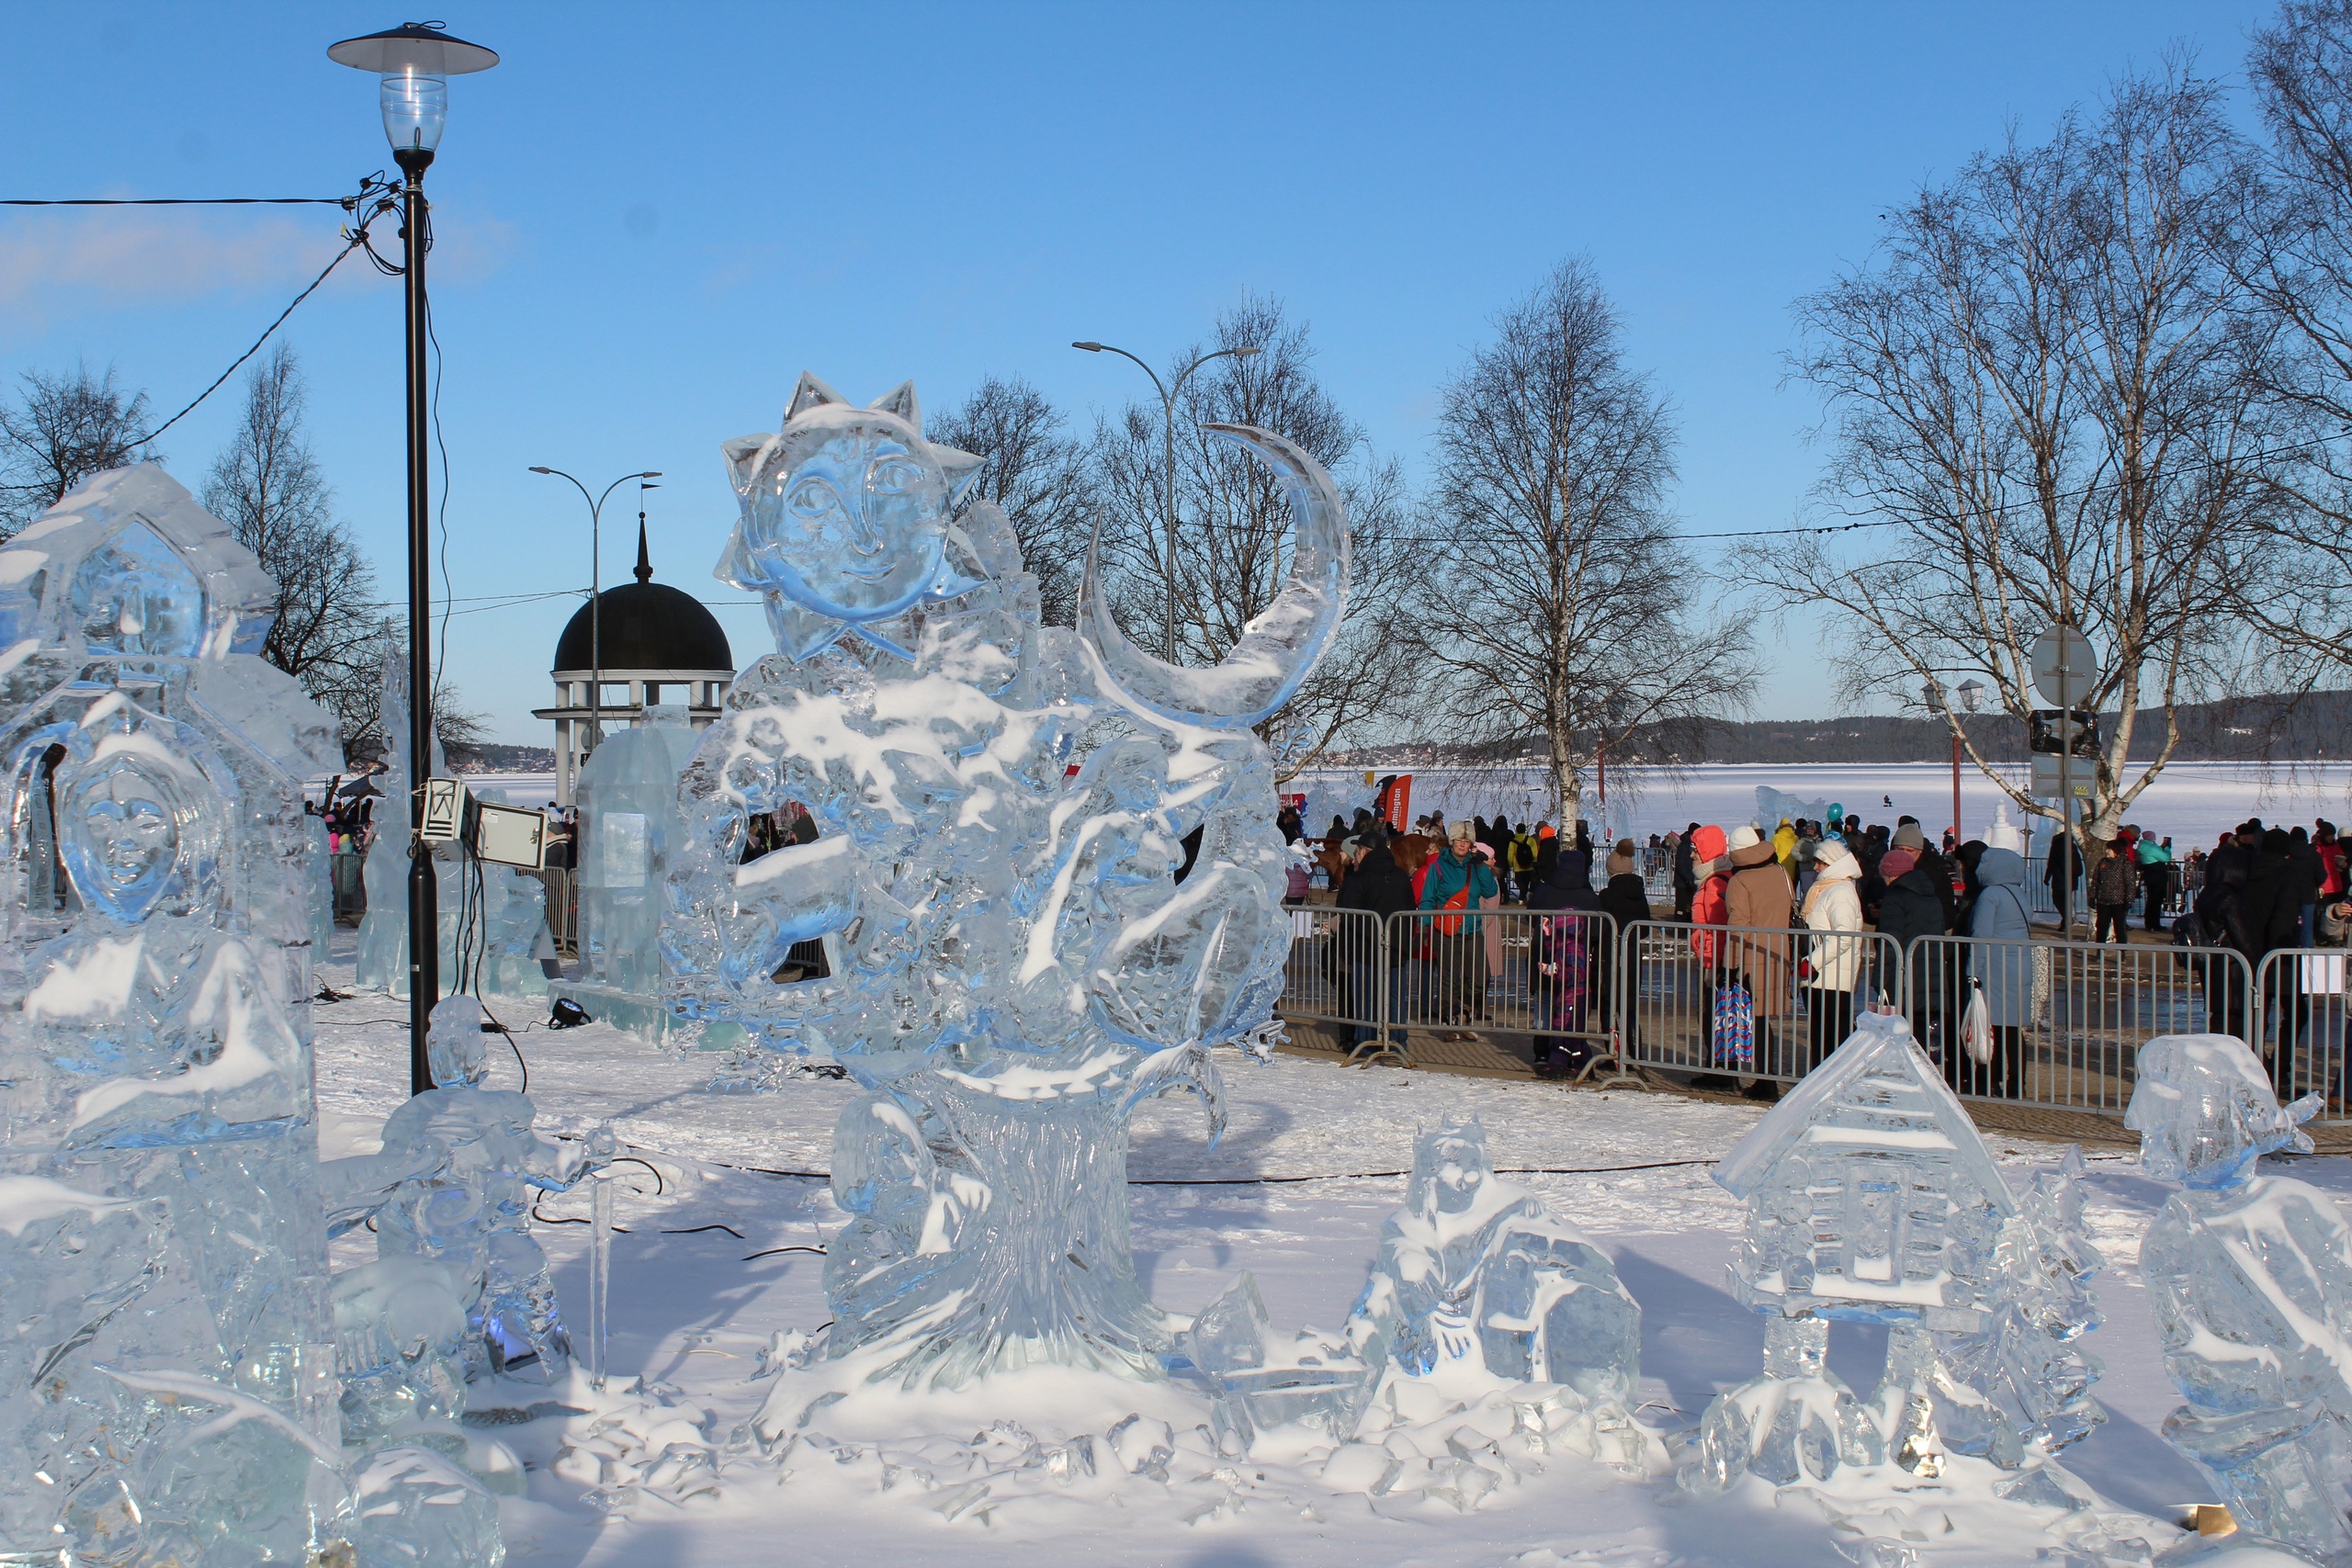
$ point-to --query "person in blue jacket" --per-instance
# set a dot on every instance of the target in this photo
(1457, 947)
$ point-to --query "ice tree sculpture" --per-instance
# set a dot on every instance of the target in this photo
(2250, 1281)
(629, 827)
(1046, 875)
(166, 1389)
(1870, 1198)
(472, 1212)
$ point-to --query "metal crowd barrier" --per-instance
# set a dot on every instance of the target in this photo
(2299, 1011)
(1335, 974)
(1797, 992)
(2066, 1020)
(1543, 974)
(564, 907)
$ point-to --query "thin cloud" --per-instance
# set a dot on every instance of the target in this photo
(59, 259)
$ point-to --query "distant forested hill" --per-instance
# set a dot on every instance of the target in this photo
(2316, 726)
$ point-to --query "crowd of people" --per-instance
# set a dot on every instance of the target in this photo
(1835, 887)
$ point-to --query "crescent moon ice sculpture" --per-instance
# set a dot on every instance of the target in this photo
(937, 842)
(1278, 647)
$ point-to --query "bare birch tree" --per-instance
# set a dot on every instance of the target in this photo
(63, 429)
(1560, 613)
(2297, 262)
(266, 486)
(2049, 392)
(1235, 528)
(1038, 473)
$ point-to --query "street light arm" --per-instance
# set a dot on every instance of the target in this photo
(1158, 384)
(582, 488)
(1244, 352)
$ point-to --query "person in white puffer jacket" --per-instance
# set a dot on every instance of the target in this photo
(1833, 905)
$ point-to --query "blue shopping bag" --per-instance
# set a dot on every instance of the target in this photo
(1735, 1027)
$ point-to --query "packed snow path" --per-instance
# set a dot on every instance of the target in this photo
(1287, 1195)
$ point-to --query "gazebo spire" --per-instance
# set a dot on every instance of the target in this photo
(644, 562)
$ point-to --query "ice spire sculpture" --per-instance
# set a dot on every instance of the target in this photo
(167, 1390)
(629, 828)
(1021, 941)
(2250, 1282)
(1871, 1198)
(472, 1214)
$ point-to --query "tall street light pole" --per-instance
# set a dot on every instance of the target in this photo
(595, 590)
(1167, 395)
(414, 62)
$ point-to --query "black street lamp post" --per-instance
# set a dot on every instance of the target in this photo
(414, 62)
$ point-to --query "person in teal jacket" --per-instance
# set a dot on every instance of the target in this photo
(1457, 948)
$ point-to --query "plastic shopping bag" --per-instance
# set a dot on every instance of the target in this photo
(1735, 1027)
(1976, 1026)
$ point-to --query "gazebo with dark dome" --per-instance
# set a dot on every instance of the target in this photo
(661, 645)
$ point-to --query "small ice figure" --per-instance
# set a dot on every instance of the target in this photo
(474, 1214)
(1873, 1199)
(1476, 1281)
(400, 1328)
(2250, 1282)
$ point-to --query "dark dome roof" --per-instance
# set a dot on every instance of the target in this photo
(645, 625)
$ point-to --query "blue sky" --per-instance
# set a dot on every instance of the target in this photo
(651, 218)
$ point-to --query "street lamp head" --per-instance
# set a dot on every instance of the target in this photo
(1971, 694)
(651, 474)
(1089, 348)
(537, 469)
(1251, 352)
(414, 61)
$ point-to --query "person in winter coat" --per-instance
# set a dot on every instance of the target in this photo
(1833, 908)
(1784, 846)
(2310, 875)
(2271, 919)
(1761, 897)
(1378, 886)
(1521, 864)
(2156, 880)
(1547, 852)
(1919, 904)
(1574, 951)
(1686, 873)
(2003, 975)
(1459, 880)
(2062, 870)
(2113, 882)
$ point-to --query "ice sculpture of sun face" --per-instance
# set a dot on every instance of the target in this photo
(122, 835)
(846, 510)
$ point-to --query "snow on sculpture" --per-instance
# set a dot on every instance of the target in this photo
(1873, 1199)
(1021, 946)
(166, 1389)
(471, 1212)
(2250, 1282)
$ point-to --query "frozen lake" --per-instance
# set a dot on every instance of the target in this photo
(2192, 802)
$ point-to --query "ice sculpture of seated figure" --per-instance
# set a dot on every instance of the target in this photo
(2250, 1282)
(474, 1214)
(1476, 1289)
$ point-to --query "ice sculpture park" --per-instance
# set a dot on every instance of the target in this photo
(1026, 1243)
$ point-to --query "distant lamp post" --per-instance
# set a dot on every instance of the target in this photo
(414, 62)
(1168, 486)
(595, 584)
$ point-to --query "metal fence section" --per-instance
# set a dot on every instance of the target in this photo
(2299, 1029)
(564, 907)
(1339, 971)
(1546, 974)
(2065, 1021)
(1745, 1002)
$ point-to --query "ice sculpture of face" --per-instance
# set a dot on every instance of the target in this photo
(2205, 1112)
(845, 510)
(854, 509)
(123, 827)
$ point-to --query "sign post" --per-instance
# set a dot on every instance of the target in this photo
(2064, 663)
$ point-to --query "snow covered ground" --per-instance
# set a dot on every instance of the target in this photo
(1296, 1194)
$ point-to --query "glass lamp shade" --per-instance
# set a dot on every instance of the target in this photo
(1971, 694)
(415, 107)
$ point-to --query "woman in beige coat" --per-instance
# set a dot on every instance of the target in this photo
(1760, 896)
